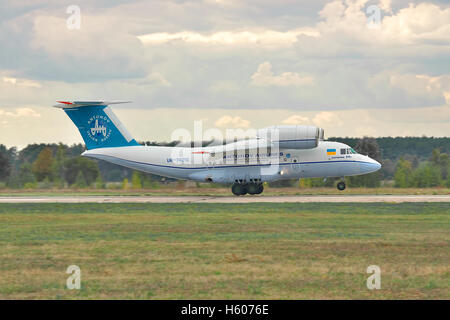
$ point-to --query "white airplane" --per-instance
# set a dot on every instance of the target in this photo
(279, 152)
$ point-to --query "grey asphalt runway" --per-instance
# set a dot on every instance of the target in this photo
(226, 199)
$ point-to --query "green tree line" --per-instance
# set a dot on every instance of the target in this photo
(406, 162)
(61, 166)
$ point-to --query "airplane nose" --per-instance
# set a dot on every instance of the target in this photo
(378, 165)
(371, 166)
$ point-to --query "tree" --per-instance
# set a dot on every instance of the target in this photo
(388, 169)
(125, 184)
(435, 157)
(5, 164)
(80, 181)
(42, 167)
(31, 152)
(369, 147)
(445, 164)
(114, 175)
(26, 175)
(58, 164)
(441, 161)
(73, 166)
(413, 158)
(136, 181)
(99, 183)
(426, 176)
(403, 172)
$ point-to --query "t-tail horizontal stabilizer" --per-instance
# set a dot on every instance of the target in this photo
(98, 125)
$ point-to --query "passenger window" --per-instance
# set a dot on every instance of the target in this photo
(343, 151)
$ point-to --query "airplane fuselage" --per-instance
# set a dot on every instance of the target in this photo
(202, 164)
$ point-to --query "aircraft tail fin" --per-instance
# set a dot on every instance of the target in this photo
(98, 125)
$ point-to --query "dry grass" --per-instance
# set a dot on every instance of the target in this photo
(239, 251)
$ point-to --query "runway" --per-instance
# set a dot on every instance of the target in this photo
(227, 199)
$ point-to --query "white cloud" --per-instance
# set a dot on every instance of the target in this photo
(20, 113)
(265, 38)
(264, 77)
(423, 85)
(296, 120)
(386, 5)
(21, 82)
(447, 97)
(326, 118)
(415, 24)
(232, 122)
(155, 79)
(103, 47)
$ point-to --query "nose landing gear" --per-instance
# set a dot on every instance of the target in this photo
(341, 185)
(240, 189)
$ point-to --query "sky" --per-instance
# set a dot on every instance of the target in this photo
(353, 67)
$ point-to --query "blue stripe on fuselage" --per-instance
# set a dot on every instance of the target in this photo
(221, 167)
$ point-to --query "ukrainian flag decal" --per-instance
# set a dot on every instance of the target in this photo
(331, 152)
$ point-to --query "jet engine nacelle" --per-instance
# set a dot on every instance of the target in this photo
(292, 137)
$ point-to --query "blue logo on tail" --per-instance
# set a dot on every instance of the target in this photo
(99, 128)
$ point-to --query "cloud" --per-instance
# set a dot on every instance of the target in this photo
(264, 38)
(420, 23)
(303, 57)
(326, 118)
(20, 113)
(423, 85)
(416, 24)
(264, 77)
(386, 5)
(21, 82)
(232, 122)
(296, 120)
(155, 79)
(103, 48)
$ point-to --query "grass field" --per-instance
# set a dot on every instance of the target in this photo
(239, 251)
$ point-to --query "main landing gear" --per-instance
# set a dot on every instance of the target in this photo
(341, 186)
(240, 189)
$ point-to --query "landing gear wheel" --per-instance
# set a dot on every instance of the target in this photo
(236, 189)
(260, 189)
(341, 186)
(244, 189)
(239, 189)
(252, 188)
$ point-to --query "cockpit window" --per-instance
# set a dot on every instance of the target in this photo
(348, 151)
